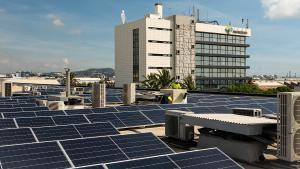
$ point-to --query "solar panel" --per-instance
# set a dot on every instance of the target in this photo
(209, 158)
(90, 151)
(5, 106)
(56, 133)
(50, 113)
(106, 117)
(11, 110)
(35, 122)
(149, 107)
(7, 123)
(16, 136)
(92, 167)
(141, 145)
(25, 105)
(220, 109)
(148, 163)
(78, 111)
(200, 110)
(133, 118)
(96, 129)
(104, 110)
(270, 106)
(67, 120)
(176, 106)
(35, 108)
(127, 108)
(38, 155)
(156, 116)
(113, 99)
(19, 114)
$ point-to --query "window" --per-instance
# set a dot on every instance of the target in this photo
(136, 50)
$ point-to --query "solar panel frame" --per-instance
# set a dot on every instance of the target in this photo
(211, 158)
(92, 151)
(159, 162)
(104, 110)
(56, 133)
(7, 123)
(19, 114)
(16, 136)
(133, 118)
(35, 122)
(46, 113)
(106, 117)
(78, 111)
(68, 120)
(35, 155)
(38, 108)
(141, 145)
(96, 129)
(156, 116)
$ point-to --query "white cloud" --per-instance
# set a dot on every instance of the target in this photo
(56, 20)
(278, 9)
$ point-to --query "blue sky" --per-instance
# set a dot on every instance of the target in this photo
(47, 35)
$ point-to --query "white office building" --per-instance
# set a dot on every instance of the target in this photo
(215, 55)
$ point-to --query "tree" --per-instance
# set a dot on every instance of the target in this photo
(189, 83)
(151, 81)
(160, 80)
(164, 78)
(73, 81)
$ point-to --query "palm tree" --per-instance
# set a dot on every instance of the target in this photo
(164, 78)
(189, 83)
(160, 80)
(151, 81)
(72, 79)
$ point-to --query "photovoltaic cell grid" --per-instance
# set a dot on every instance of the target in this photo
(199, 159)
(99, 150)
(29, 156)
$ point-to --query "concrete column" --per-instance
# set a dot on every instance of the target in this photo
(68, 82)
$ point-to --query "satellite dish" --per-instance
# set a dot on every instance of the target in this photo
(123, 17)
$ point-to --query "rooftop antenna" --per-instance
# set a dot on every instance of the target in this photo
(247, 24)
(123, 17)
(194, 12)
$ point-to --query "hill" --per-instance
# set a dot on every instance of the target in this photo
(94, 72)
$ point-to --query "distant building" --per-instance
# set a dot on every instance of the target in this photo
(215, 55)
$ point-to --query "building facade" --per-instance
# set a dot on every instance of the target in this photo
(215, 55)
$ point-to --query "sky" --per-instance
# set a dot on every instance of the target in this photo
(48, 35)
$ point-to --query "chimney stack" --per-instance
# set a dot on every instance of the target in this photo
(68, 82)
(159, 9)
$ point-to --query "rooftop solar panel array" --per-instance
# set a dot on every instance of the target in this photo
(199, 159)
(98, 150)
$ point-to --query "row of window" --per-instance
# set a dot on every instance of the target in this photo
(209, 84)
(135, 37)
(220, 61)
(151, 67)
(162, 29)
(221, 38)
(218, 49)
(159, 54)
(157, 41)
(214, 72)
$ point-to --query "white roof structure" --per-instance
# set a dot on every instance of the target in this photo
(239, 124)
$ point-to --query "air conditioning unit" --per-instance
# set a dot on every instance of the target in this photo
(175, 129)
(288, 126)
(129, 93)
(247, 112)
(99, 95)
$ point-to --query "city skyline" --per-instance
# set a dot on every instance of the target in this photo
(49, 35)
